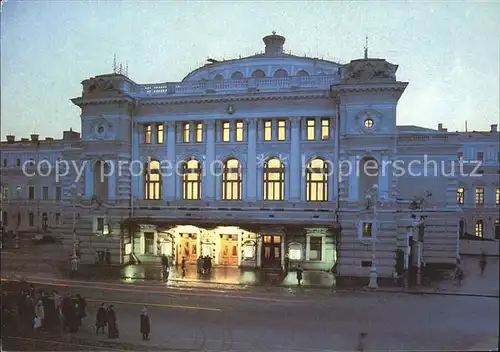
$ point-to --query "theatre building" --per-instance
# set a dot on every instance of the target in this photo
(240, 161)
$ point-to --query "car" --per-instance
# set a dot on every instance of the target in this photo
(39, 239)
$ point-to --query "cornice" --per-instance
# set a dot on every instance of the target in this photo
(104, 100)
(368, 87)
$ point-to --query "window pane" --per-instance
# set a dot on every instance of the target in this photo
(159, 133)
(199, 132)
(267, 130)
(226, 135)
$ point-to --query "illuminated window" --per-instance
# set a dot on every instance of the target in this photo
(281, 130)
(191, 180)
(317, 181)
(368, 123)
(159, 133)
(367, 229)
(274, 180)
(311, 129)
(226, 131)
(497, 195)
(199, 132)
(5, 192)
(325, 129)
(147, 133)
(480, 156)
(479, 195)
(152, 180)
(268, 128)
(231, 180)
(186, 132)
(479, 228)
(239, 131)
(460, 195)
(315, 247)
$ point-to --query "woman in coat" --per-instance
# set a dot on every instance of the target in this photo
(145, 326)
(112, 325)
(100, 319)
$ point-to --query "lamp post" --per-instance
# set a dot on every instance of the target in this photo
(17, 240)
(74, 259)
(371, 198)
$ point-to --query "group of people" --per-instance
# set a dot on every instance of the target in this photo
(204, 264)
(106, 317)
(32, 310)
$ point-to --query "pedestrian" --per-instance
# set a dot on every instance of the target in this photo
(183, 266)
(100, 319)
(459, 273)
(287, 265)
(37, 323)
(482, 262)
(82, 308)
(40, 312)
(299, 275)
(112, 324)
(361, 341)
(145, 325)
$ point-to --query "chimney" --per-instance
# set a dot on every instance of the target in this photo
(494, 128)
(11, 138)
(34, 137)
(440, 126)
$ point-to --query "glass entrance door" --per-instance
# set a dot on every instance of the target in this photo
(271, 251)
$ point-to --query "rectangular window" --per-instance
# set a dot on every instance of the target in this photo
(31, 192)
(239, 131)
(5, 218)
(480, 156)
(315, 247)
(147, 133)
(102, 226)
(185, 132)
(19, 220)
(199, 132)
(31, 219)
(268, 130)
(460, 195)
(18, 162)
(367, 230)
(311, 129)
(479, 228)
(479, 195)
(45, 193)
(5, 192)
(159, 133)
(460, 156)
(325, 129)
(497, 196)
(58, 219)
(58, 193)
(226, 131)
(281, 130)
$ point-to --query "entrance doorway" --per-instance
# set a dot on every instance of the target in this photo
(271, 251)
(149, 243)
(187, 248)
(229, 250)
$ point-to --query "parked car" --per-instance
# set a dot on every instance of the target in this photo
(40, 238)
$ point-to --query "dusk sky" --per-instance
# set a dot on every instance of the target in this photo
(447, 51)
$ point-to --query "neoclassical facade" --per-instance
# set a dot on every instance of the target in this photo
(257, 159)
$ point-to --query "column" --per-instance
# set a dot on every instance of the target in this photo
(135, 181)
(112, 180)
(333, 188)
(295, 160)
(168, 181)
(353, 180)
(89, 179)
(209, 184)
(383, 177)
(251, 172)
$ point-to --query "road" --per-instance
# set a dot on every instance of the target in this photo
(294, 320)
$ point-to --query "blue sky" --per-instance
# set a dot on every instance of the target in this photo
(448, 51)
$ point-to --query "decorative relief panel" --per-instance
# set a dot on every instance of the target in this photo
(366, 121)
(101, 129)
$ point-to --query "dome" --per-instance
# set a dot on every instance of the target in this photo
(273, 62)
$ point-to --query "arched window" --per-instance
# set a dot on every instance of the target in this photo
(258, 74)
(237, 75)
(461, 228)
(218, 77)
(152, 180)
(280, 73)
(191, 180)
(317, 181)
(497, 229)
(274, 180)
(231, 180)
(302, 73)
(479, 228)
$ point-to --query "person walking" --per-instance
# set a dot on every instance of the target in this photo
(40, 312)
(112, 324)
(482, 262)
(145, 325)
(299, 275)
(100, 319)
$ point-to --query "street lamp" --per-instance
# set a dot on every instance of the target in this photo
(371, 202)
(74, 259)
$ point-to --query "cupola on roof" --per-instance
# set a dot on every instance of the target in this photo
(274, 44)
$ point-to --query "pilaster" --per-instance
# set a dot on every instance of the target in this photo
(295, 160)
(251, 179)
(168, 183)
(209, 185)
